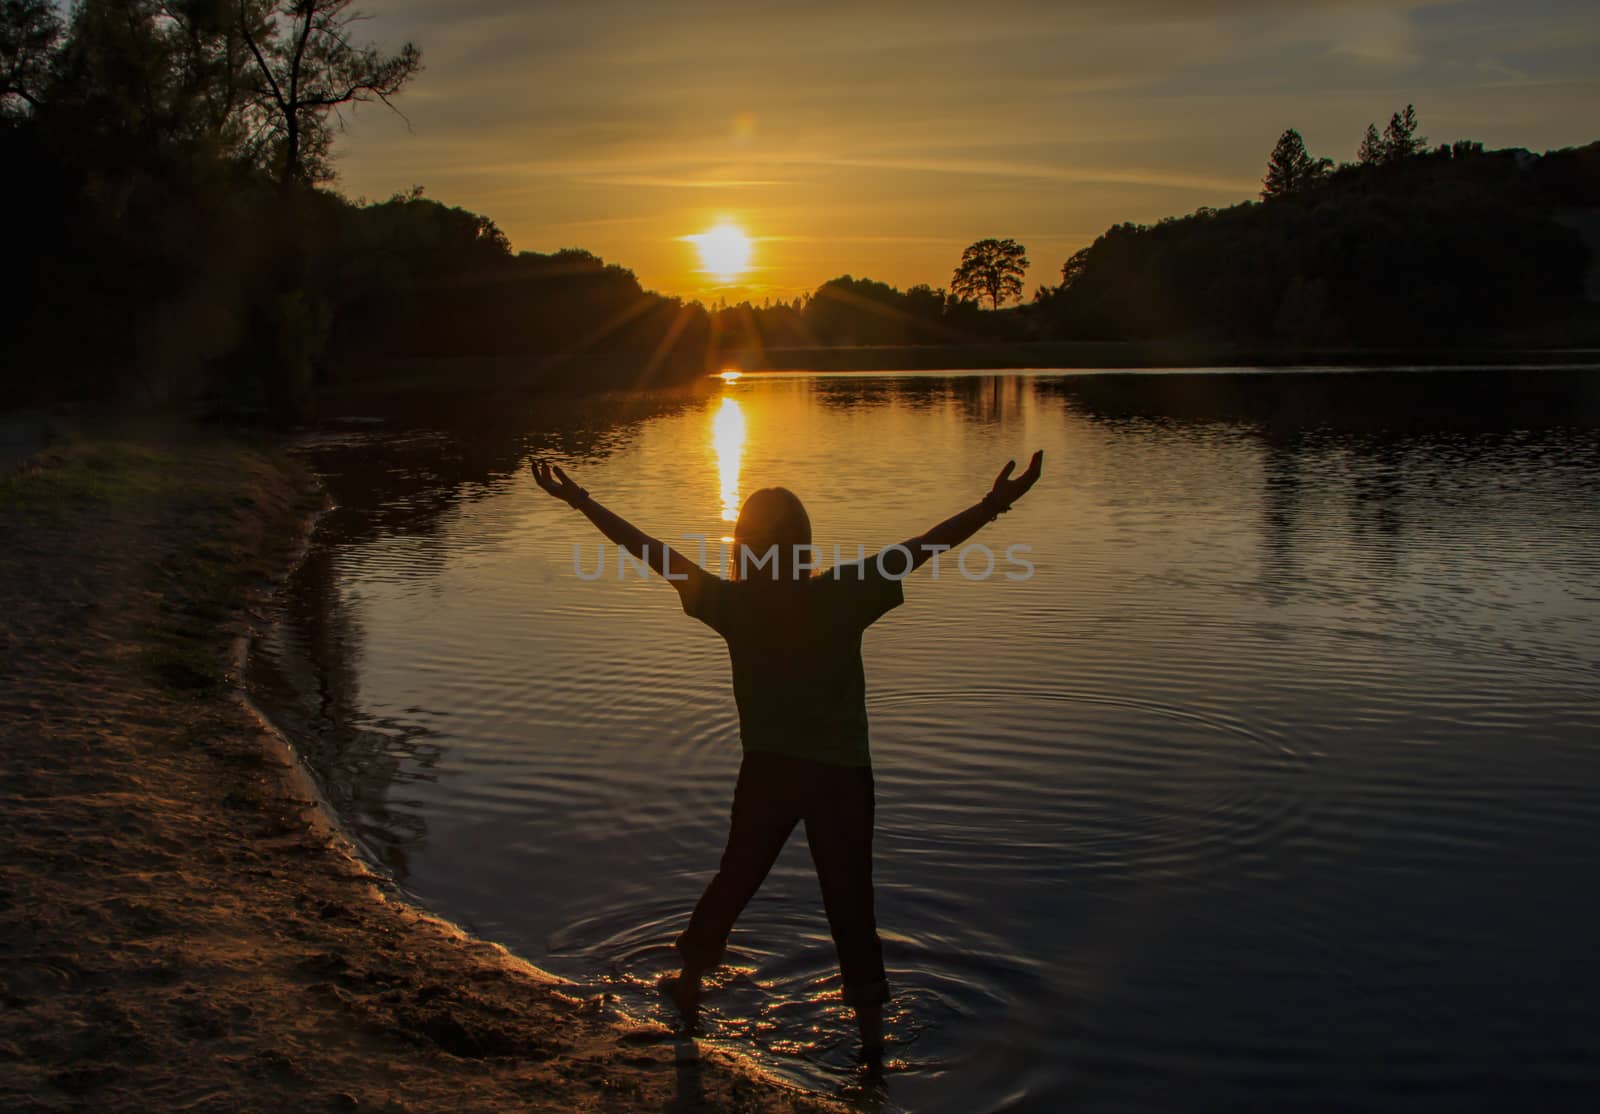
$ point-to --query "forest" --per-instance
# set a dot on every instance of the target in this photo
(1405, 245)
(175, 237)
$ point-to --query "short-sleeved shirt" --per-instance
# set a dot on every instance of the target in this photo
(796, 655)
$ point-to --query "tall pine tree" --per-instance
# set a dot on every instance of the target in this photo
(1371, 151)
(1400, 138)
(1291, 169)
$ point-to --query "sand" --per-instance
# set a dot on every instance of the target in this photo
(181, 928)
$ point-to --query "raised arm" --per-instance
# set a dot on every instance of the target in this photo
(658, 555)
(961, 526)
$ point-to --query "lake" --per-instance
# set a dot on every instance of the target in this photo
(1275, 785)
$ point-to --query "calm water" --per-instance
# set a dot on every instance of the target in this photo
(1277, 785)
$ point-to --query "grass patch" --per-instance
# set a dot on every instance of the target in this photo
(206, 513)
(69, 478)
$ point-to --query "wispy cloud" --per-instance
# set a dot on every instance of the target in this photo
(989, 169)
(659, 182)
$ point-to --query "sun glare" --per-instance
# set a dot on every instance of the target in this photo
(727, 439)
(724, 251)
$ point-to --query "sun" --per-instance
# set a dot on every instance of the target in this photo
(724, 251)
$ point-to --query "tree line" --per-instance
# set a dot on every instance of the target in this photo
(172, 237)
(1406, 244)
(848, 311)
(1291, 169)
(161, 158)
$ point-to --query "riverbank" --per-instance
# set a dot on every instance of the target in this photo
(180, 926)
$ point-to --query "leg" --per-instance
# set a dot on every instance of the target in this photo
(839, 830)
(761, 823)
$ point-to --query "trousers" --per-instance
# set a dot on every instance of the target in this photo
(774, 793)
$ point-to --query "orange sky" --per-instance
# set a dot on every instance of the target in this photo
(879, 140)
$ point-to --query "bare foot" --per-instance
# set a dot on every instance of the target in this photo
(684, 990)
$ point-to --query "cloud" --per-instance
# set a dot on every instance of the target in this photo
(1128, 176)
(661, 182)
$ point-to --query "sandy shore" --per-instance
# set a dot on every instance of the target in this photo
(180, 929)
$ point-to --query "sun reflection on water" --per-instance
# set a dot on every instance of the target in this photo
(727, 438)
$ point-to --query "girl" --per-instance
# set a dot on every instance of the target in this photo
(794, 640)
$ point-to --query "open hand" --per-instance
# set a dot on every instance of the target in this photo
(1007, 490)
(557, 483)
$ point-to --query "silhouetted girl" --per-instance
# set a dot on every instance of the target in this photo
(794, 639)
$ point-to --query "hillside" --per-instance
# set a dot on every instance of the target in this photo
(1458, 245)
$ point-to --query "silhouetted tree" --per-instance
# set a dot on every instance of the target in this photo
(847, 310)
(1398, 142)
(1291, 169)
(215, 72)
(925, 307)
(307, 68)
(1400, 138)
(991, 269)
(1467, 245)
(1370, 152)
(151, 79)
(1572, 175)
(29, 31)
(1072, 269)
(114, 82)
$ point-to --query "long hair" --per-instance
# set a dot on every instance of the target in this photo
(771, 517)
